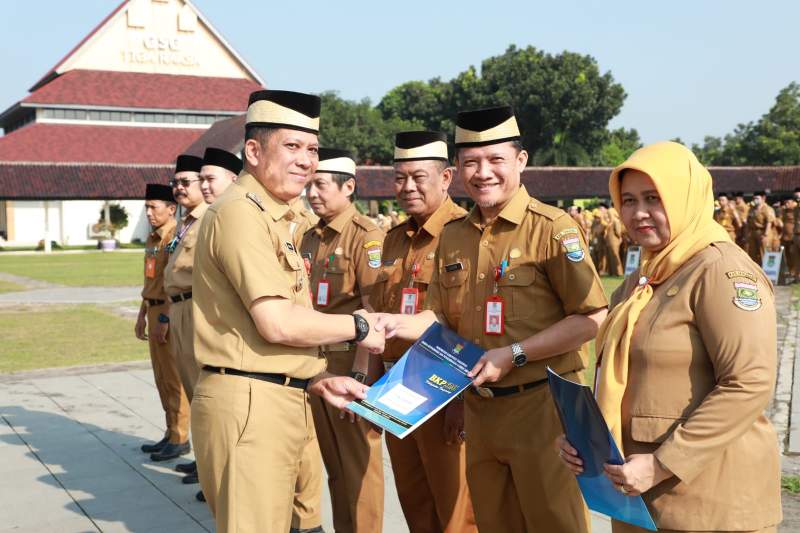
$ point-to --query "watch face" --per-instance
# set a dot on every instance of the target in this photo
(520, 359)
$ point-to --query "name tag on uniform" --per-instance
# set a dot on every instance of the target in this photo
(322, 293)
(150, 267)
(409, 301)
(452, 267)
(495, 322)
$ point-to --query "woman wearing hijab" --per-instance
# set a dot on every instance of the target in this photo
(688, 358)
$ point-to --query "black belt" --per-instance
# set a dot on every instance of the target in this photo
(151, 301)
(278, 379)
(495, 392)
(181, 297)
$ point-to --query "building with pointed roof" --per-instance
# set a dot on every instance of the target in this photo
(141, 87)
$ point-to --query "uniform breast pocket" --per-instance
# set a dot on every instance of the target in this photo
(338, 276)
(454, 288)
(380, 299)
(517, 290)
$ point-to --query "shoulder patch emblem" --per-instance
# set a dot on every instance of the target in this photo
(371, 244)
(741, 274)
(572, 248)
(374, 254)
(746, 296)
(253, 197)
(564, 233)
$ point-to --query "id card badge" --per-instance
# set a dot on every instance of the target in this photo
(322, 293)
(409, 302)
(150, 267)
(495, 323)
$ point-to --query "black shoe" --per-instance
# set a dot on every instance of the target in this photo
(317, 529)
(156, 447)
(186, 468)
(190, 479)
(171, 451)
(200, 496)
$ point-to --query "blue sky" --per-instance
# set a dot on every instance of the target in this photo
(690, 68)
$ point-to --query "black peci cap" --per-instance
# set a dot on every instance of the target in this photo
(486, 126)
(188, 163)
(222, 158)
(420, 145)
(156, 191)
(284, 109)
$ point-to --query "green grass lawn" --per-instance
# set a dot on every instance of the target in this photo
(44, 337)
(7, 286)
(78, 270)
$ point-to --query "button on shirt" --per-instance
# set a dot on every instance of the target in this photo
(549, 277)
(245, 252)
(406, 245)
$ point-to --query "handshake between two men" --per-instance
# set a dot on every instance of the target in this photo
(377, 328)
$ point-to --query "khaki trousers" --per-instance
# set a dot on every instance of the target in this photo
(516, 480)
(430, 477)
(182, 326)
(306, 512)
(249, 438)
(353, 457)
(755, 247)
(168, 382)
(622, 527)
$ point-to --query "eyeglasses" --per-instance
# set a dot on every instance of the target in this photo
(183, 182)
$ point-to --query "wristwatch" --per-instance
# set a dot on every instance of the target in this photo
(359, 376)
(362, 328)
(164, 319)
(518, 355)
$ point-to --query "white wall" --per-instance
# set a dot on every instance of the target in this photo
(70, 220)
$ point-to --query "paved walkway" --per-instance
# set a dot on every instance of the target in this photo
(70, 459)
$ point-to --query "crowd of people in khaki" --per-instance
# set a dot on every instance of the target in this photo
(265, 318)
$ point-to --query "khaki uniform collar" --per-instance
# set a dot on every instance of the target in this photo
(276, 208)
(435, 223)
(197, 212)
(340, 221)
(165, 228)
(513, 212)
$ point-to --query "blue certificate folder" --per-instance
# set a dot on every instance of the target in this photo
(431, 373)
(588, 433)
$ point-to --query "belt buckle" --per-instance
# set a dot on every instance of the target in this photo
(484, 392)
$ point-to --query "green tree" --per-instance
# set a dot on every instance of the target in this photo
(360, 128)
(563, 102)
(618, 146)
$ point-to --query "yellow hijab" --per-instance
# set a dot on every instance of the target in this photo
(684, 186)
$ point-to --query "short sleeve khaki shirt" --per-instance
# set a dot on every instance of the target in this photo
(178, 274)
(244, 253)
(155, 249)
(355, 244)
(549, 277)
(407, 245)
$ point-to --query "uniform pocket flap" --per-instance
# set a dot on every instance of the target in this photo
(653, 428)
(453, 279)
(518, 277)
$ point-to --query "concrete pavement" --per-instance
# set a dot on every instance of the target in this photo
(70, 458)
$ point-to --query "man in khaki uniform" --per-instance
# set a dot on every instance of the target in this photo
(760, 219)
(220, 169)
(160, 209)
(529, 260)
(178, 281)
(344, 250)
(613, 242)
(598, 231)
(256, 336)
(743, 208)
(727, 216)
(429, 464)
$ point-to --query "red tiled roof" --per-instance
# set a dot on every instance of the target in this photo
(63, 143)
(227, 134)
(76, 181)
(144, 90)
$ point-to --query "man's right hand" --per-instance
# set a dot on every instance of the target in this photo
(141, 328)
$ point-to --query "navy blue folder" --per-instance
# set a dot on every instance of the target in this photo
(588, 433)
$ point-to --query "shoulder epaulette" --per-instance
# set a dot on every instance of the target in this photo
(547, 211)
(253, 197)
(364, 222)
